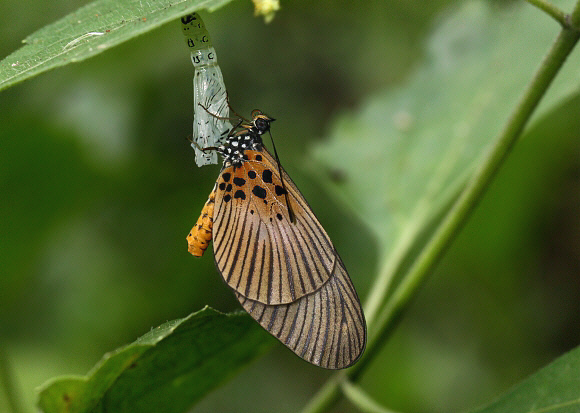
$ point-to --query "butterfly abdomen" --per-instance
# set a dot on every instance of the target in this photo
(200, 235)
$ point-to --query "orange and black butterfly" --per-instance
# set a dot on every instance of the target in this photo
(271, 250)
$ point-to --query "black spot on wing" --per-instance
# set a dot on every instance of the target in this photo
(259, 191)
(252, 174)
(240, 194)
(222, 186)
(267, 176)
(227, 198)
(279, 190)
(226, 176)
(239, 181)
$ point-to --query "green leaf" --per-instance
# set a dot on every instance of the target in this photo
(400, 161)
(554, 389)
(166, 370)
(91, 30)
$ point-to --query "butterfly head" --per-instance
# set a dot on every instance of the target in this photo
(260, 122)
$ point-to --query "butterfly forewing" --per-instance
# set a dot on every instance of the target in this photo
(260, 253)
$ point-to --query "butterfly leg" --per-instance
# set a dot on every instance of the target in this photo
(209, 148)
(200, 235)
(220, 117)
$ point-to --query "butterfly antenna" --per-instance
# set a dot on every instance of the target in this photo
(290, 212)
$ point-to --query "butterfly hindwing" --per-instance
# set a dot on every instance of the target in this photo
(260, 253)
(326, 328)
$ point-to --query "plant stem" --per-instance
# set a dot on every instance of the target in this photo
(383, 281)
(327, 395)
(574, 18)
(550, 9)
(457, 216)
(362, 400)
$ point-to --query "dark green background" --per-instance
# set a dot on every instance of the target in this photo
(99, 189)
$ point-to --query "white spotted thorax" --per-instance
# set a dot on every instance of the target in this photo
(209, 124)
(245, 136)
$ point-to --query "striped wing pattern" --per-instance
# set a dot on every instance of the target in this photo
(282, 265)
(259, 252)
(326, 328)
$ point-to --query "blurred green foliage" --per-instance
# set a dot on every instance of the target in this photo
(99, 189)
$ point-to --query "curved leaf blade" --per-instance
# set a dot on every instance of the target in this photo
(167, 369)
(91, 30)
(404, 157)
(554, 389)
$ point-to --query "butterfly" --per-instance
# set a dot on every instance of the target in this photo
(273, 252)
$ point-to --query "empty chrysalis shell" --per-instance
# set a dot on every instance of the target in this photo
(210, 104)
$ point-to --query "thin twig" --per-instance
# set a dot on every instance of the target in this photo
(552, 10)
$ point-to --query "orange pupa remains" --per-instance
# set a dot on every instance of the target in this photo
(199, 237)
